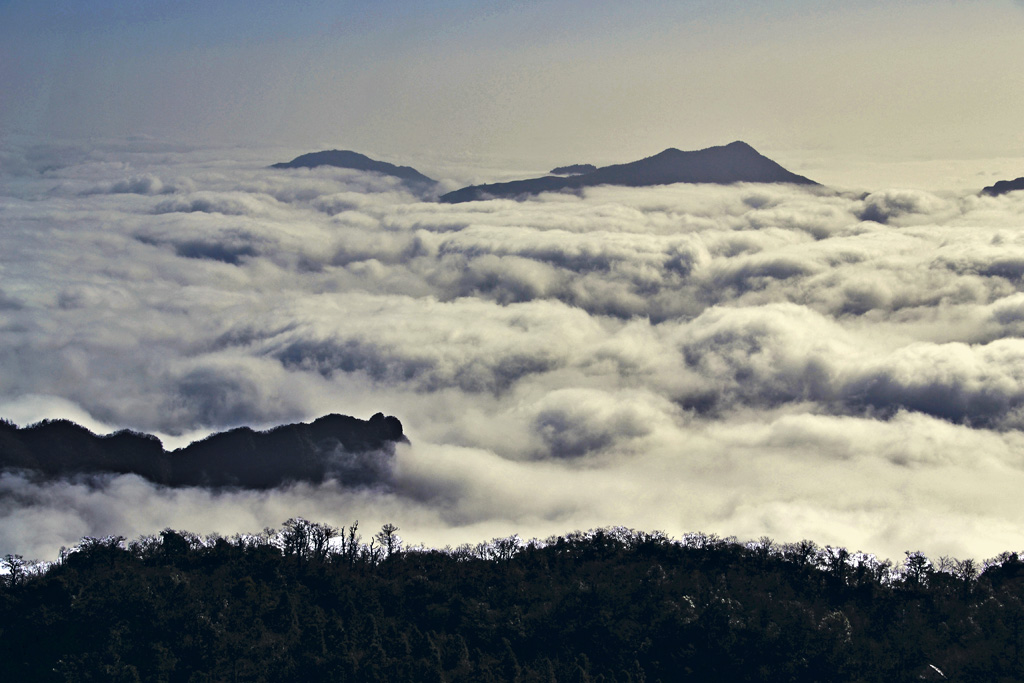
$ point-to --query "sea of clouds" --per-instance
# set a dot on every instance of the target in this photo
(748, 360)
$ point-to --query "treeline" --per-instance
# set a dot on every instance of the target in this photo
(313, 602)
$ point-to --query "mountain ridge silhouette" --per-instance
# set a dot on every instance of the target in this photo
(1004, 186)
(332, 446)
(736, 162)
(346, 158)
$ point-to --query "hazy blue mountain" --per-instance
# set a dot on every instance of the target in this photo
(337, 446)
(574, 169)
(343, 158)
(737, 162)
(1004, 186)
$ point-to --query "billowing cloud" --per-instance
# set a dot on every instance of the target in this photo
(744, 360)
(144, 183)
(892, 206)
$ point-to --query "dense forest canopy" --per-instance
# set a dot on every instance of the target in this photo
(315, 602)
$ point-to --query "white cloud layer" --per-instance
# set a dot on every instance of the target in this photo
(744, 360)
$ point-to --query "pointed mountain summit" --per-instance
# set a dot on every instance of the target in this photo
(344, 158)
(736, 162)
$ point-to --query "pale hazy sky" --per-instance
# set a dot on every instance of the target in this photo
(556, 81)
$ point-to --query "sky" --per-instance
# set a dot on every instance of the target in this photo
(843, 364)
(825, 85)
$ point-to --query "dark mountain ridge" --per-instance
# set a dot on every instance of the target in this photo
(333, 446)
(344, 158)
(736, 162)
(1004, 186)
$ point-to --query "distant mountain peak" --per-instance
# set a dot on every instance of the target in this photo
(735, 147)
(739, 144)
(346, 158)
(736, 162)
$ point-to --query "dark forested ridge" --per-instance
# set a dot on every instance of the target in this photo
(315, 603)
(736, 162)
(351, 450)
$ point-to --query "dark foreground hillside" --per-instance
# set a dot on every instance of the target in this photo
(607, 605)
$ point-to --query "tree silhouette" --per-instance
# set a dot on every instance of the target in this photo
(388, 540)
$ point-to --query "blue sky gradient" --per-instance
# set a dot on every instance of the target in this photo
(563, 80)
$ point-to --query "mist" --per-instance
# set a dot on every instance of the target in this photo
(745, 360)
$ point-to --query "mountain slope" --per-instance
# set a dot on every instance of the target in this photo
(359, 162)
(737, 162)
